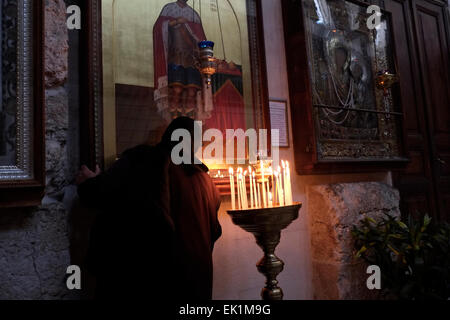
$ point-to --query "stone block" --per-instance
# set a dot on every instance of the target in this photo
(57, 118)
(56, 43)
(333, 210)
(34, 253)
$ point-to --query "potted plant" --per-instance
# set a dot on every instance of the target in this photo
(413, 256)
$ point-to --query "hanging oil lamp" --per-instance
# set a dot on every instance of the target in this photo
(386, 80)
(208, 64)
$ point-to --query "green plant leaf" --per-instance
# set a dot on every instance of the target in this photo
(361, 251)
(402, 225)
(393, 250)
(371, 220)
(426, 220)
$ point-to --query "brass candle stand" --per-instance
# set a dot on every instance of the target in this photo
(266, 225)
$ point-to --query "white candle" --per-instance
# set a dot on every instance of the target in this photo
(241, 188)
(252, 204)
(259, 197)
(289, 187)
(270, 200)
(238, 191)
(255, 194)
(263, 191)
(276, 195)
(285, 186)
(280, 187)
(273, 184)
(244, 189)
(233, 200)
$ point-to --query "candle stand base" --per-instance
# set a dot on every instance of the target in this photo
(266, 225)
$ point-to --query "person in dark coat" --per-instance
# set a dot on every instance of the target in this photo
(157, 225)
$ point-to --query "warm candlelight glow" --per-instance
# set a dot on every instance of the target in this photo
(277, 193)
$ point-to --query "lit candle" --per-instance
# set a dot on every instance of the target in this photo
(276, 196)
(283, 165)
(238, 190)
(288, 183)
(259, 197)
(273, 184)
(270, 200)
(263, 191)
(244, 190)
(280, 187)
(255, 194)
(241, 189)
(233, 200)
(252, 204)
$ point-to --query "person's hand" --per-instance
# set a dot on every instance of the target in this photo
(85, 174)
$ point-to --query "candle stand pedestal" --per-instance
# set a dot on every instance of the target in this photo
(266, 225)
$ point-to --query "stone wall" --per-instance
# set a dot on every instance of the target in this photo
(34, 243)
(333, 210)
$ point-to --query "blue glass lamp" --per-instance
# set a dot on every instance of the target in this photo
(208, 64)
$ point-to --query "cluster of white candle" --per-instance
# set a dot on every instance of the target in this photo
(273, 188)
(218, 175)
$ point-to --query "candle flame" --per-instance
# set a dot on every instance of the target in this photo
(283, 164)
(231, 171)
(245, 172)
(253, 174)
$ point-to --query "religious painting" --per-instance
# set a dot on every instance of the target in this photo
(150, 68)
(8, 94)
(16, 96)
(353, 119)
(21, 119)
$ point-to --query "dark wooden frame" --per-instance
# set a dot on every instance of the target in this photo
(304, 139)
(91, 137)
(91, 127)
(29, 193)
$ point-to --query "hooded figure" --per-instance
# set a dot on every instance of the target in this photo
(157, 227)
